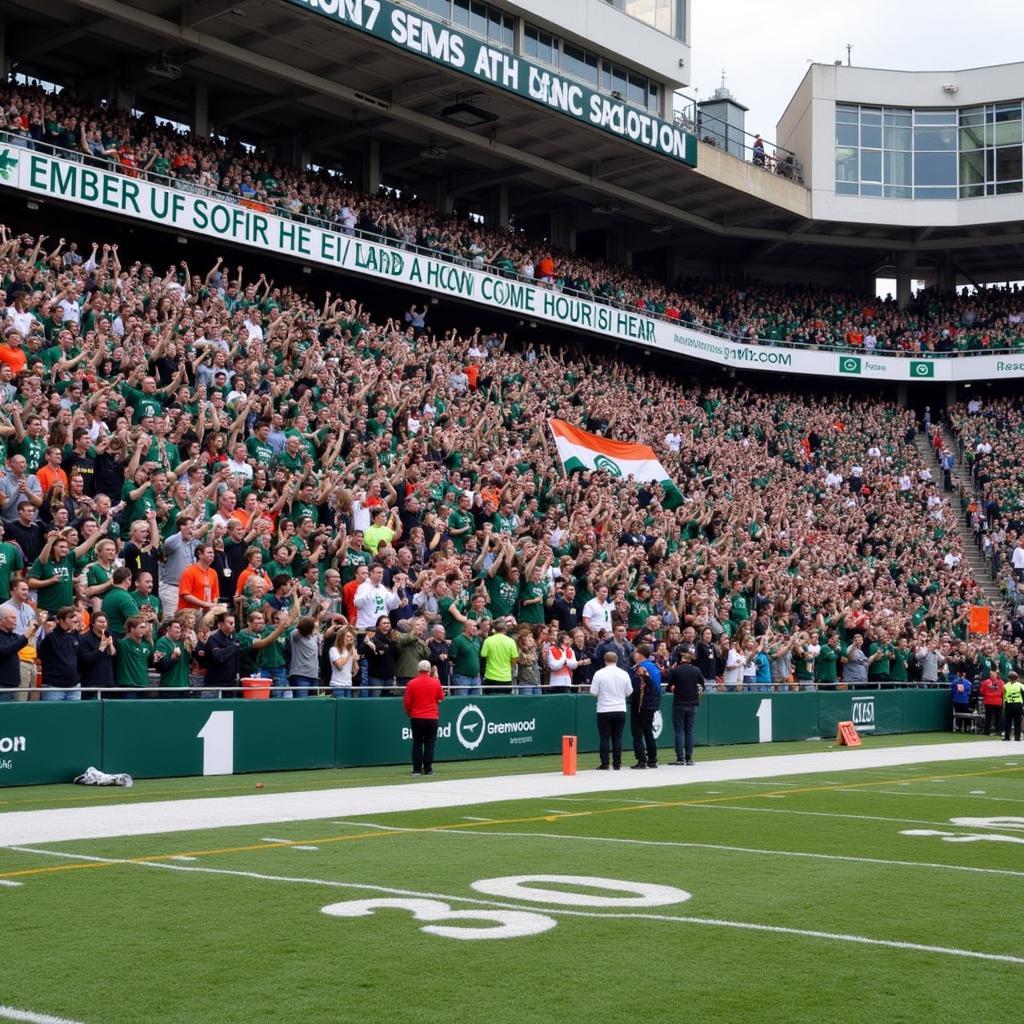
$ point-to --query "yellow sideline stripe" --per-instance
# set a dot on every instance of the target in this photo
(532, 819)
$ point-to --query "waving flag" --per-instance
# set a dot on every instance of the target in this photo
(579, 449)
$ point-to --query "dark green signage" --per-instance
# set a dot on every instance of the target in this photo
(502, 69)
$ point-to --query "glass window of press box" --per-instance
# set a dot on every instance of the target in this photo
(584, 66)
(666, 16)
(481, 19)
(898, 153)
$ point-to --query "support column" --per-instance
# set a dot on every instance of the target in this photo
(4, 65)
(905, 262)
(501, 216)
(901, 396)
(371, 167)
(201, 111)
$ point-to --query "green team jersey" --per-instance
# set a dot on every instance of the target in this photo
(59, 595)
(137, 508)
(133, 662)
(141, 404)
(881, 669)
(118, 606)
(10, 563)
(533, 613)
(465, 655)
(459, 520)
(350, 562)
(259, 450)
(273, 655)
(639, 613)
(96, 575)
(502, 595)
(899, 665)
(177, 674)
(34, 450)
(825, 665)
(452, 626)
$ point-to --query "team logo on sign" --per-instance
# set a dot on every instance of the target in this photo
(470, 727)
(604, 463)
(922, 368)
(862, 713)
(658, 724)
(849, 364)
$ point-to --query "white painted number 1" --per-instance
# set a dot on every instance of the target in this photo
(764, 721)
(218, 736)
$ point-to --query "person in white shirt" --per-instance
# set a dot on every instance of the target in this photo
(1017, 558)
(834, 480)
(597, 612)
(561, 661)
(673, 441)
(735, 663)
(373, 600)
(611, 686)
(344, 661)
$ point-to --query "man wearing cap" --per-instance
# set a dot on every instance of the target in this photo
(423, 694)
(1013, 707)
(686, 684)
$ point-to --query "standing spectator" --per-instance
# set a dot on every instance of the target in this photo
(58, 656)
(11, 563)
(685, 681)
(10, 644)
(344, 662)
(171, 660)
(527, 664)
(440, 656)
(221, 654)
(29, 625)
(412, 649)
(992, 687)
(1013, 707)
(198, 586)
(17, 485)
(27, 531)
(561, 664)
(96, 659)
(134, 653)
(612, 686)
(118, 604)
(379, 652)
(645, 701)
(179, 554)
(500, 654)
(304, 657)
(465, 660)
(423, 695)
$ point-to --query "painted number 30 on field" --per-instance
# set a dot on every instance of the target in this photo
(514, 924)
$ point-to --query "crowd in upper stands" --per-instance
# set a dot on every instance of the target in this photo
(212, 476)
(751, 312)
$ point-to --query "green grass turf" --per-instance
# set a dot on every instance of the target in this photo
(129, 943)
(31, 798)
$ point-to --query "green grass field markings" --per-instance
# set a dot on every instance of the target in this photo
(942, 796)
(756, 927)
(532, 819)
(27, 1017)
(960, 837)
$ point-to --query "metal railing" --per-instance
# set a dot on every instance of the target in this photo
(736, 337)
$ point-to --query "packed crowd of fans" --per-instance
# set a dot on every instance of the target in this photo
(751, 312)
(208, 477)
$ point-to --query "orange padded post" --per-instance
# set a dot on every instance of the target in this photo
(847, 735)
(568, 755)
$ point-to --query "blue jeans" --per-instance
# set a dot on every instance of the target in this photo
(465, 686)
(301, 685)
(528, 691)
(7, 695)
(373, 687)
(342, 691)
(278, 680)
(52, 695)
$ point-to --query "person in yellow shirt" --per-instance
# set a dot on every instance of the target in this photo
(1013, 707)
(500, 655)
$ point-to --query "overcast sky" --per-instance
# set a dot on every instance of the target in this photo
(765, 45)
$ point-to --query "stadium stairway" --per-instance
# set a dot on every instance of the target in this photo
(980, 568)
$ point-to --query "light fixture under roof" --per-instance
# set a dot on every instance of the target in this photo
(468, 115)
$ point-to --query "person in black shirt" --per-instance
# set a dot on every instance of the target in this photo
(82, 458)
(563, 609)
(10, 644)
(96, 654)
(27, 532)
(221, 655)
(686, 683)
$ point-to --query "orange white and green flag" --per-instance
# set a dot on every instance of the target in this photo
(579, 449)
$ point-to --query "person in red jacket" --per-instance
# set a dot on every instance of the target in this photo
(423, 694)
(992, 697)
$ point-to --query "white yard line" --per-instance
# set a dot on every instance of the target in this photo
(711, 922)
(27, 1017)
(136, 819)
(944, 796)
(9, 884)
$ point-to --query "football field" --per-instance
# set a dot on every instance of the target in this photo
(880, 884)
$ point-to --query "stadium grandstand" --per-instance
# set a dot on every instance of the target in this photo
(451, 359)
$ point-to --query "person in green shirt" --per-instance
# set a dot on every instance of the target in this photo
(639, 608)
(52, 573)
(10, 563)
(532, 598)
(500, 655)
(465, 659)
(900, 663)
(461, 523)
(825, 662)
(134, 651)
(118, 604)
(171, 659)
(881, 669)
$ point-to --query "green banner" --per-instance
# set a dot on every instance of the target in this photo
(926, 710)
(158, 738)
(501, 69)
(873, 712)
(48, 742)
(377, 731)
(762, 717)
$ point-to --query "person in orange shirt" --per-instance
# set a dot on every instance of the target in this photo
(198, 586)
(50, 472)
(546, 267)
(254, 567)
(11, 351)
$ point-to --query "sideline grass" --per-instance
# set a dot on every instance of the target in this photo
(183, 942)
(29, 798)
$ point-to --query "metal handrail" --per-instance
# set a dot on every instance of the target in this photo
(112, 166)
